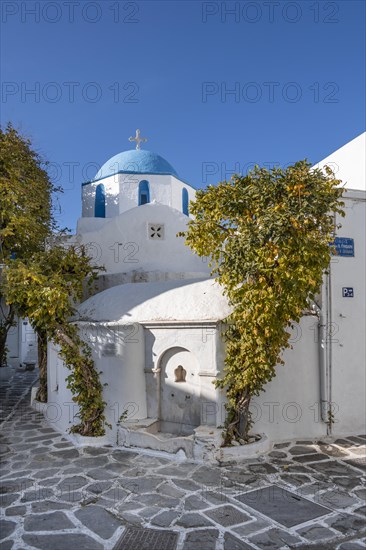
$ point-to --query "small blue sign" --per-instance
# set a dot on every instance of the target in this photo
(347, 292)
(344, 246)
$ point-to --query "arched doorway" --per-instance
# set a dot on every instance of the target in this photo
(180, 410)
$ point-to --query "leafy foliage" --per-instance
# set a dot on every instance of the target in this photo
(25, 211)
(25, 197)
(41, 282)
(267, 235)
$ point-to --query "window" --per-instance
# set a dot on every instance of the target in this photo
(99, 208)
(185, 207)
(144, 192)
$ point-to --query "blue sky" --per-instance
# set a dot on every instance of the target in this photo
(99, 70)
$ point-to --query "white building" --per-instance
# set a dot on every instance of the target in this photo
(21, 344)
(155, 324)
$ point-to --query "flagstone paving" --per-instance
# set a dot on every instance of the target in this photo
(56, 496)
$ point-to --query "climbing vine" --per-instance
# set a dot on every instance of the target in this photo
(83, 381)
(267, 235)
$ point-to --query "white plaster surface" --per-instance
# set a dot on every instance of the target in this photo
(348, 330)
(187, 300)
(289, 405)
(122, 244)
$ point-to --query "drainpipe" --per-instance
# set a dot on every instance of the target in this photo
(325, 345)
(323, 365)
(325, 351)
(329, 350)
(322, 314)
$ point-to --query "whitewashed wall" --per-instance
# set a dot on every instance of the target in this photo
(61, 411)
(118, 353)
(122, 244)
(348, 331)
(289, 407)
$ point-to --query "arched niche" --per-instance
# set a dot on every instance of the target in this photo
(180, 402)
(180, 374)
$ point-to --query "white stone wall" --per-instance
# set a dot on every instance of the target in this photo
(289, 407)
(61, 411)
(122, 244)
(118, 353)
(347, 333)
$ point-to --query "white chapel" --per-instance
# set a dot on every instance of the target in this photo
(155, 322)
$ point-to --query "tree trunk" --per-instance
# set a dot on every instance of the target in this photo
(3, 336)
(244, 416)
(239, 422)
(6, 322)
(42, 364)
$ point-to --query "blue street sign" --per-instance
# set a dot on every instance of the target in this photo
(344, 246)
(347, 292)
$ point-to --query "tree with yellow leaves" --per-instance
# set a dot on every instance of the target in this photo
(267, 235)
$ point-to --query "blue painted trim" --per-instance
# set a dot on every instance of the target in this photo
(144, 190)
(99, 205)
(185, 202)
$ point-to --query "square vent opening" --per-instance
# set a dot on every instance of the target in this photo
(155, 231)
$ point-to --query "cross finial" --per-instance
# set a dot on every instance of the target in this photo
(138, 139)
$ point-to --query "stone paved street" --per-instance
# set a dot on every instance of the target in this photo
(56, 496)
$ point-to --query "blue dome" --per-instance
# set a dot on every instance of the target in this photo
(137, 161)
